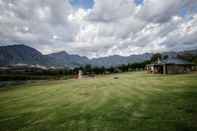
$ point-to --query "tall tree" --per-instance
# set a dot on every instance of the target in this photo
(155, 57)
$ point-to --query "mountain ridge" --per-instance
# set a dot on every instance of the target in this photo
(14, 54)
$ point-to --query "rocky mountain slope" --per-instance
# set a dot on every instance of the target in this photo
(23, 54)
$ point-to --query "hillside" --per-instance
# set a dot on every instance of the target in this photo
(23, 54)
(63, 58)
(16, 54)
(119, 60)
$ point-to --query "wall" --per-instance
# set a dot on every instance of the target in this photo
(178, 69)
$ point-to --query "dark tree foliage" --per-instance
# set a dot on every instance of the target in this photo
(195, 61)
(88, 69)
(189, 57)
(141, 65)
(155, 57)
(59, 73)
(165, 57)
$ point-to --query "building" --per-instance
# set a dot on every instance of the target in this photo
(170, 66)
(23, 69)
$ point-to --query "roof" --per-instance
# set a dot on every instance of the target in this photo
(176, 61)
(172, 61)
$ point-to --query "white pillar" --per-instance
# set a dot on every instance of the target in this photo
(79, 74)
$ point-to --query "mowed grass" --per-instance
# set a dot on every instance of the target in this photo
(134, 102)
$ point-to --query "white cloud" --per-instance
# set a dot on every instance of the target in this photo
(35, 22)
(110, 27)
(110, 10)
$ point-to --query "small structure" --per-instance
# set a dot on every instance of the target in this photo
(170, 66)
(79, 74)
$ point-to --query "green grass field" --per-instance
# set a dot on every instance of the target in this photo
(134, 102)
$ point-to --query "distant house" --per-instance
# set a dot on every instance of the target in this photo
(170, 66)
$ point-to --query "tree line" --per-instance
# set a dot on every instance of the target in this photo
(88, 69)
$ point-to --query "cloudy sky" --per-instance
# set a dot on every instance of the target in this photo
(97, 28)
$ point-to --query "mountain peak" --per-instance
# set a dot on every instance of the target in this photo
(17, 45)
(14, 54)
(20, 47)
(60, 53)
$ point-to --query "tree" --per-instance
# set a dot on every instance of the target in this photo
(111, 69)
(155, 57)
(194, 61)
(188, 57)
(165, 57)
(87, 69)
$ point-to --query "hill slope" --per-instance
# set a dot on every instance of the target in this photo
(63, 58)
(20, 54)
(26, 55)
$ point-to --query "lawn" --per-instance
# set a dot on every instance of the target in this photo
(133, 102)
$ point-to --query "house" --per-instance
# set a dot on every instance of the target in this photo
(170, 66)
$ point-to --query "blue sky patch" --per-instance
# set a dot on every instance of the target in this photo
(183, 12)
(86, 4)
(139, 2)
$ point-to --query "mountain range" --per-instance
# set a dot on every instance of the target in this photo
(22, 54)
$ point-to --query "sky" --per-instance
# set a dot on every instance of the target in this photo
(98, 28)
